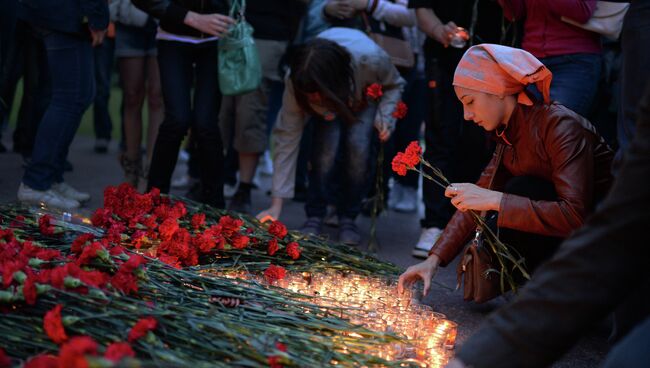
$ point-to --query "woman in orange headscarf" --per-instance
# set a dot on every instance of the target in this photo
(554, 165)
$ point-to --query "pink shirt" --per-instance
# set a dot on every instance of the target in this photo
(545, 34)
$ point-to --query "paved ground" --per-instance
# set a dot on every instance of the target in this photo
(397, 233)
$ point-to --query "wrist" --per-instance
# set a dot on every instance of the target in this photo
(190, 18)
(433, 260)
(496, 202)
(276, 202)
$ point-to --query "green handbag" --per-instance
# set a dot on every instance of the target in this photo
(239, 63)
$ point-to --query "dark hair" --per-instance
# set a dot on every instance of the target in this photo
(325, 67)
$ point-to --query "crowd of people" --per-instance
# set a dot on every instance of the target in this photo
(502, 94)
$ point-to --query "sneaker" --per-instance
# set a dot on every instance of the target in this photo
(183, 182)
(313, 226)
(408, 202)
(265, 167)
(394, 195)
(349, 232)
(101, 145)
(428, 238)
(241, 202)
(229, 190)
(69, 192)
(49, 198)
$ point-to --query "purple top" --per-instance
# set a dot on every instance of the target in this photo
(545, 34)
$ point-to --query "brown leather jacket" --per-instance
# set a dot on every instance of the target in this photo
(553, 143)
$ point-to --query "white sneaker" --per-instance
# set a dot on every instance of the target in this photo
(394, 195)
(71, 193)
(428, 238)
(50, 198)
(409, 201)
(229, 190)
(183, 156)
(265, 166)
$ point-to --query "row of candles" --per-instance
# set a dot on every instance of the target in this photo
(373, 303)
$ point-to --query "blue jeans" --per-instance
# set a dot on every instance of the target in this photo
(635, 73)
(575, 80)
(187, 68)
(70, 63)
(103, 71)
(351, 142)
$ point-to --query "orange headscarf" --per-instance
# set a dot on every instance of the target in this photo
(502, 70)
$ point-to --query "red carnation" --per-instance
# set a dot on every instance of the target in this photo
(29, 289)
(293, 250)
(42, 361)
(400, 110)
(274, 359)
(168, 228)
(229, 225)
(53, 325)
(118, 350)
(141, 328)
(278, 229)
(398, 164)
(374, 91)
(413, 153)
(45, 225)
(239, 241)
(135, 260)
(125, 282)
(73, 353)
(89, 253)
(273, 247)
(274, 273)
(198, 220)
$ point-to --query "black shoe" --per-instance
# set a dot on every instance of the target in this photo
(67, 166)
(194, 193)
(101, 145)
(241, 202)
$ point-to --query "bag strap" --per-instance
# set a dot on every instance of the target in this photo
(237, 9)
(499, 156)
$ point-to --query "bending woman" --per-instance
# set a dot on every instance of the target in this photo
(328, 81)
(554, 169)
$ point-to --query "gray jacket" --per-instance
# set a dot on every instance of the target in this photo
(371, 64)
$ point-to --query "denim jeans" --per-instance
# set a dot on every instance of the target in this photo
(103, 72)
(70, 61)
(457, 147)
(185, 68)
(635, 73)
(351, 143)
(575, 80)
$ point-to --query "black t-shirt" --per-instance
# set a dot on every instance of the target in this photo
(487, 29)
(275, 19)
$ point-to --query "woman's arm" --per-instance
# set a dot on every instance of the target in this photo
(570, 150)
(167, 10)
(393, 86)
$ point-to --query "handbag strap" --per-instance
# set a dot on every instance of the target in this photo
(237, 9)
(499, 156)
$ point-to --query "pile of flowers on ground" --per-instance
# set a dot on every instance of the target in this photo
(138, 294)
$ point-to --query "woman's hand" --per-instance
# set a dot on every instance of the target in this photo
(358, 4)
(341, 9)
(272, 213)
(97, 36)
(443, 33)
(423, 270)
(466, 196)
(455, 363)
(213, 24)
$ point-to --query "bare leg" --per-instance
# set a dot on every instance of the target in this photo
(132, 77)
(155, 104)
